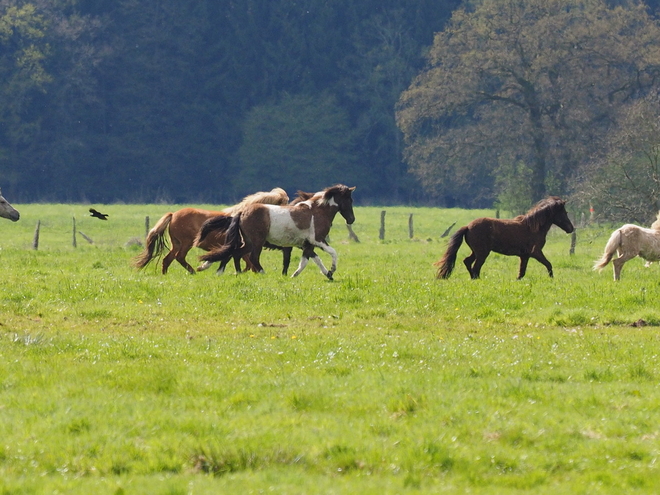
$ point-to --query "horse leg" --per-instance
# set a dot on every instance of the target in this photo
(181, 258)
(478, 263)
(617, 263)
(286, 259)
(319, 263)
(523, 266)
(169, 258)
(301, 265)
(540, 257)
(332, 253)
(468, 263)
(254, 258)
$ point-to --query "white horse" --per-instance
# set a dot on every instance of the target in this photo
(630, 241)
(7, 210)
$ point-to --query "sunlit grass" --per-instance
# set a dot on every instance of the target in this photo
(383, 381)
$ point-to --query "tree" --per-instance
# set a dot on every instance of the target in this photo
(535, 82)
(298, 142)
(623, 182)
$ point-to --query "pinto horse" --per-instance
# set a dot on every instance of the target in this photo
(184, 225)
(8, 211)
(523, 236)
(628, 242)
(304, 225)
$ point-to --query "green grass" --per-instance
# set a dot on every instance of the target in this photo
(383, 381)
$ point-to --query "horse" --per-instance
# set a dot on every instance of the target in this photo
(628, 242)
(304, 225)
(8, 211)
(523, 236)
(184, 225)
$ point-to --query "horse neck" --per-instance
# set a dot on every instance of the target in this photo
(323, 215)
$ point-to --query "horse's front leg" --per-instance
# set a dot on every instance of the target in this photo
(333, 254)
(538, 256)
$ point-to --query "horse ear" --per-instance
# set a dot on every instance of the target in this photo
(352, 188)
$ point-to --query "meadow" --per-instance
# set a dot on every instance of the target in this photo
(384, 381)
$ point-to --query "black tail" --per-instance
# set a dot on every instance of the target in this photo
(216, 224)
(448, 261)
(233, 242)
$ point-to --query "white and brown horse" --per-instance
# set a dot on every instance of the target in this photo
(628, 242)
(305, 225)
(184, 226)
(8, 211)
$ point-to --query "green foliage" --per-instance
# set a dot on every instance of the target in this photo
(385, 380)
(301, 140)
(514, 183)
(528, 81)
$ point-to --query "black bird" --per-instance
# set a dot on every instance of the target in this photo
(98, 214)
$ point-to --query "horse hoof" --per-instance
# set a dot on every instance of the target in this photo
(329, 275)
(203, 266)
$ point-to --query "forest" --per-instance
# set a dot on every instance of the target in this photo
(409, 100)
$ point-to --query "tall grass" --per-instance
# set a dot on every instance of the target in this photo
(383, 381)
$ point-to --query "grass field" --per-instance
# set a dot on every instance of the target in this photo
(385, 381)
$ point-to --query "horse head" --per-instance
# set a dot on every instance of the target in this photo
(561, 219)
(7, 210)
(341, 196)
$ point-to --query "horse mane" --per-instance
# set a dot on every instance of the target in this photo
(301, 197)
(323, 197)
(276, 196)
(542, 212)
(656, 225)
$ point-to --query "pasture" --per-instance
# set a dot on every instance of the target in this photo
(385, 381)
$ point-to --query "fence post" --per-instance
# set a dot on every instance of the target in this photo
(381, 234)
(75, 244)
(351, 234)
(35, 240)
(146, 226)
(411, 230)
(573, 242)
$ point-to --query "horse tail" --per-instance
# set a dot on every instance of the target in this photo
(219, 223)
(233, 243)
(155, 243)
(448, 261)
(611, 247)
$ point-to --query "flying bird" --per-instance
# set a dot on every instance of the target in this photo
(98, 214)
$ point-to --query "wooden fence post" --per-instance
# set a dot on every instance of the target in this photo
(35, 240)
(75, 244)
(573, 242)
(381, 234)
(351, 234)
(146, 226)
(411, 230)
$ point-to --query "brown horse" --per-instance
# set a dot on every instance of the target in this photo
(184, 225)
(523, 236)
(304, 225)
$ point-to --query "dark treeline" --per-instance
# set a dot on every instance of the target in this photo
(207, 100)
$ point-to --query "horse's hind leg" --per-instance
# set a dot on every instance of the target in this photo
(617, 263)
(468, 263)
(476, 267)
(181, 258)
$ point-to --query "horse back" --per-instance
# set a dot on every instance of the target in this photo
(508, 237)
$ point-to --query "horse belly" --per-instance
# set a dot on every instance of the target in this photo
(284, 232)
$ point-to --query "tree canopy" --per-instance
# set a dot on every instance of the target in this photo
(536, 83)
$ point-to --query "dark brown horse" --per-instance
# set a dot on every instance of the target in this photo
(304, 225)
(184, 226)
(523, 236)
